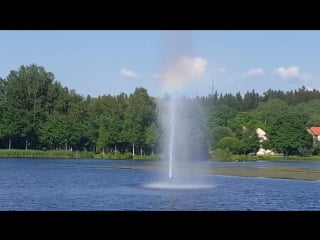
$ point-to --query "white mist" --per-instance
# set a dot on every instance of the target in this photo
(181, 71)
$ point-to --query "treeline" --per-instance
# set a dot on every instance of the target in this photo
(36, 112)
(232, 121)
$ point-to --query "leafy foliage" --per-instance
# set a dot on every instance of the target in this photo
(231, 144)
(36, 112)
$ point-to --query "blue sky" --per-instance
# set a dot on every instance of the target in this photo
(110, 62)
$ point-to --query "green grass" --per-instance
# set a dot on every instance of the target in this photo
(217, 156)
(226, 156)
(20, 153)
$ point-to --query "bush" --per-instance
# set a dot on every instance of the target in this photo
(304, 152)
(221, 154)
(86, 154)
(231, 144)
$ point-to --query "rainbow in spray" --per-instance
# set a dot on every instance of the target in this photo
(186, 70)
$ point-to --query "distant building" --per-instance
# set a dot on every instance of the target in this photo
(262, 137)
(315, 131)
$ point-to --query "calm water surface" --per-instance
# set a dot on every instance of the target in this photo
(86, 184)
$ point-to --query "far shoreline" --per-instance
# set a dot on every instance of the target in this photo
(242, 170)
(31, 153)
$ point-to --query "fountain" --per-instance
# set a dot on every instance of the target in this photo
(176, 116)
(180, 171)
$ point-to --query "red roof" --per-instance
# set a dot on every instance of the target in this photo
(315, 130)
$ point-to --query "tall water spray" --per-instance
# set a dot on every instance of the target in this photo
(178, 118)
(171, 140)
(176, 45)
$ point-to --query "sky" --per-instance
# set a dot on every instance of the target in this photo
(189, 63)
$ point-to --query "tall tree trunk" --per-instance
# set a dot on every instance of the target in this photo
(10, 143)
(115, 149)
(34, 110)
(26, 144)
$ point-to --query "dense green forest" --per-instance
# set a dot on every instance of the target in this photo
(36, 112)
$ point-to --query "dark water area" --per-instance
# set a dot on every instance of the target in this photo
(86, 184)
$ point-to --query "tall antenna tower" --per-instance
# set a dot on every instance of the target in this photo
(212, 88)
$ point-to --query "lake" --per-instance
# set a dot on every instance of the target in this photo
(87, 184)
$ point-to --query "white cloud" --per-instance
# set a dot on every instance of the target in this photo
(129, 73)
(185, 70)
(291, 73)
(287, 73)
(255, 72)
